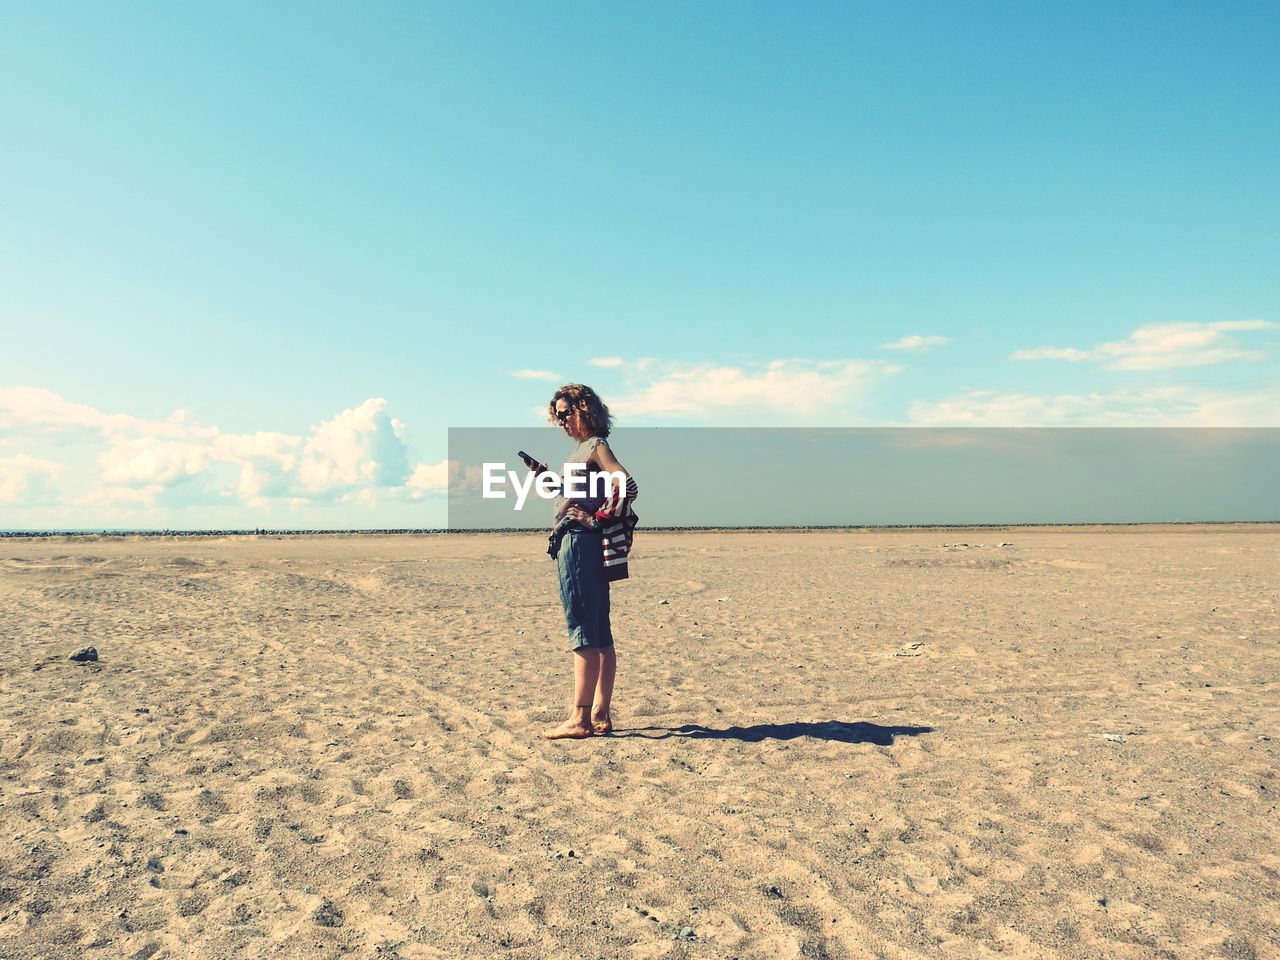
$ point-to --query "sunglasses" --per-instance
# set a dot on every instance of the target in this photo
(563, 415)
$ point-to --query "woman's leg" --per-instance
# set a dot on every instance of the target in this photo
(604, 686)
(585, 595)
(586, 677)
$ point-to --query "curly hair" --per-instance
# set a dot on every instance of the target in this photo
(588, 403)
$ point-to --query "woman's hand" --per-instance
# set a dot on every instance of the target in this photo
(584, 518)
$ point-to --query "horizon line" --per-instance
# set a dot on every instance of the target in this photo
(17, 534)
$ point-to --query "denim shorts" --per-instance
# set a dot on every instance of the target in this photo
(583, 589)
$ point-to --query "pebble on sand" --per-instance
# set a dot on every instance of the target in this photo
(87, 655)
(328, 915)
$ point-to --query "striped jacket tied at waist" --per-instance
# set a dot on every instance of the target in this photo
(617, 527)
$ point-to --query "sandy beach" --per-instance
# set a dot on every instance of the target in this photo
(863, 744)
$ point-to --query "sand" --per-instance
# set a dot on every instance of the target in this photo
(923, 743)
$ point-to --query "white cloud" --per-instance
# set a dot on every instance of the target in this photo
(537, 375)
(1070, 354)
(785, 388)
(464, 481)
(1162, 346)
(1170, 406)
(428, 478)
(126, 461)
(915, 343)
(26, 479)
(145, 461)
(606, 362)
(119, 496)
(31, 409)
(359, 447)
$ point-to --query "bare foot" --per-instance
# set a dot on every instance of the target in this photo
(601, 722)
(572, 729)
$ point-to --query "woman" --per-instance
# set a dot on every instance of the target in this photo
(584, 589)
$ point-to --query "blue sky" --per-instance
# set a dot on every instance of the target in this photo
(256, 259)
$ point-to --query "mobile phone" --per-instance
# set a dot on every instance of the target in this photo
(531, 463)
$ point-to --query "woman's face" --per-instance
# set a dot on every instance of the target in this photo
(572, 424)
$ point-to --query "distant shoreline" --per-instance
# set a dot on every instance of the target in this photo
(435, 531)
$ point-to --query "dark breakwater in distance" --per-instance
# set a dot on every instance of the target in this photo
(777, 528)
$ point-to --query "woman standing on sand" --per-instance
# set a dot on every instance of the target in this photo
(580, 556)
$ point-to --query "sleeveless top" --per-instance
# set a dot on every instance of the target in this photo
(585, 482)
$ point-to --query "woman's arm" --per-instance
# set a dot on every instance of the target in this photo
(604, 457)
(605, 460)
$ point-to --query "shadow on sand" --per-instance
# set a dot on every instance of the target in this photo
(834, 730)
